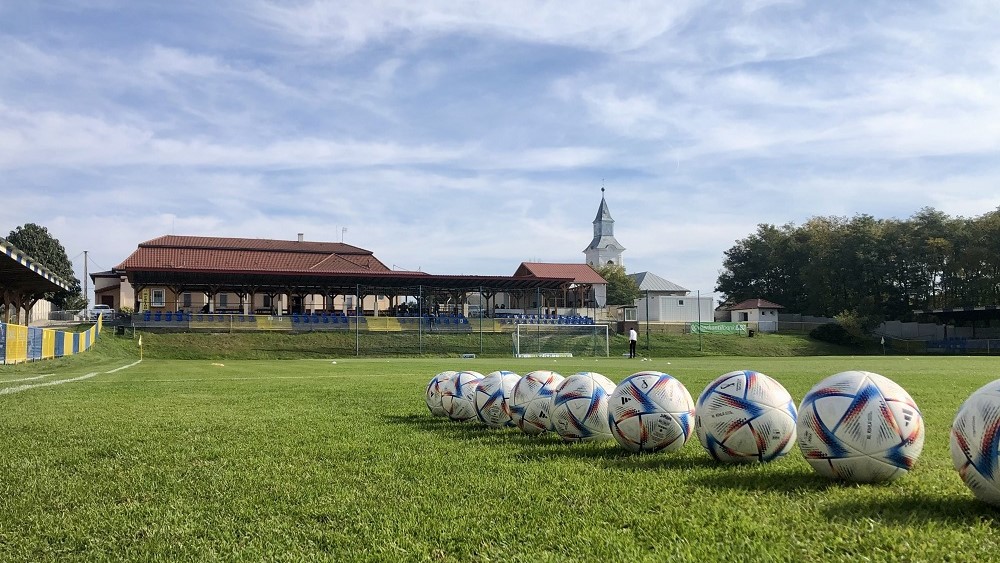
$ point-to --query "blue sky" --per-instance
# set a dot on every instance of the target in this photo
(467, 137)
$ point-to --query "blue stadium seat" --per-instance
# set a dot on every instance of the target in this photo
(147, 315)
(157, 316)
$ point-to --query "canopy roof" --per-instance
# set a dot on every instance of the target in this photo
(262, 265)
(21, 273)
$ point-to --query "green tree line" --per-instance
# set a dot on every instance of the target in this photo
(881, 268)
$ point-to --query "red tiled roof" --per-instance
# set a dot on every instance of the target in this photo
(755, 304)
(213, 254)
(219, 243)
(579, 273)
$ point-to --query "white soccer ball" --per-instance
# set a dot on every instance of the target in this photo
(433, 393)
(651, 411)
(860, 426)
(975, 439)
(745, 416)
(580, 407)
(493, 398)
(531, 400)
(458, 395)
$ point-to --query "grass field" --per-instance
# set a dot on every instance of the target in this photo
(314, 460)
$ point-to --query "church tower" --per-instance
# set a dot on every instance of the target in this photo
(604, 249)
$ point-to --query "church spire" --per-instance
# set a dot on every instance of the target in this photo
(604, 248)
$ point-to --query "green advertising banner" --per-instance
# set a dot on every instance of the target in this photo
(719, 328)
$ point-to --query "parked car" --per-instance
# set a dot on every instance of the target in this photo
(101, 310)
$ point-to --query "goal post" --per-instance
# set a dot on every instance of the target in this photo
(552, 340)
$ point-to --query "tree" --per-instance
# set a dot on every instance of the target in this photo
(622, 290)
(40, 245)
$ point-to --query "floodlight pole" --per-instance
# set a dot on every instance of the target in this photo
(480, 320)
(420, 319)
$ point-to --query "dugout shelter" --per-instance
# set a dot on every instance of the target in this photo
(23, 282)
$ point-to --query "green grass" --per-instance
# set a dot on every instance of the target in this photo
(282, 346)
(313, 460)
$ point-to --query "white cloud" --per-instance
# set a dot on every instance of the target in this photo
(598, 25)
(465, 137)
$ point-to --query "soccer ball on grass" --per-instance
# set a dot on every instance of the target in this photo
(433, 393)
(975, 439)
(580, 407)
(651, 411)
(458, 395)
(745, 416)
(531, 401)
(493, 398)
(860, 426)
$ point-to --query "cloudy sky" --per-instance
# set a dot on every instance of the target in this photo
(466, 137)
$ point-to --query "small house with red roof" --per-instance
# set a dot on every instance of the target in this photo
(760, 311)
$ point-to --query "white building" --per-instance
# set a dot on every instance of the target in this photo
(760, 311)
(664, 301)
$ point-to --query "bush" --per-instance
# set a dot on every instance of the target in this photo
(836, 334)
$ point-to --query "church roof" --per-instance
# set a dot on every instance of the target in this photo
(579, 273)
(648, 281)
(603, 214)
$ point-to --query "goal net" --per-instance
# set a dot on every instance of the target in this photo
(544, 340)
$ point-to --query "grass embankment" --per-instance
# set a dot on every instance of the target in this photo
(315, 460)
(277, 346)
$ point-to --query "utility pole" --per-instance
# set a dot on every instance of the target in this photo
(86, 298)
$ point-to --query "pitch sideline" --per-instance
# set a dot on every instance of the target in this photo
(19, 388)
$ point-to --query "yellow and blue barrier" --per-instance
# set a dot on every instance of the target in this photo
(22, 343)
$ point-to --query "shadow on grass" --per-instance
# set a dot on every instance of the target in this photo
(469, 430)
(764, 478)
(916, 508)
(550, 446)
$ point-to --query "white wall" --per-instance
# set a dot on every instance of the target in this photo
(754, 315)
(676, 308)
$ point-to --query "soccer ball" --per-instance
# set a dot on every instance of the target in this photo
(745, 416)
(433, 394)
(860, 426)
(531, 399)
(458, 395)
(493, 398)
(975, 438)
(580, 407)
(651, 411)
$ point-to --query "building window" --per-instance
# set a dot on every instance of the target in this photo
(267, 301)
(187, 299)
(680, 302)
(223, 300)
(159, 298)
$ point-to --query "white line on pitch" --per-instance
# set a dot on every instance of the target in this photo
(19, 388)
(240, 378)
(27, 378)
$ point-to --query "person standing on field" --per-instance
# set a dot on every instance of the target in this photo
(633, 336)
